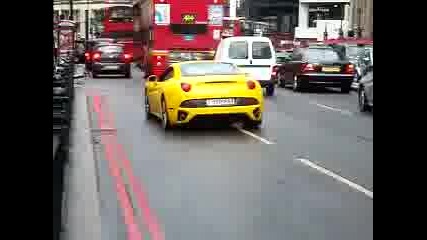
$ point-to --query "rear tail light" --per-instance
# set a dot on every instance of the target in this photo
(96, 56)
(127, 57)
(349, 68)
(308, 67)
(185, 87)
(275, 70)
(251, 84)
(87, 56)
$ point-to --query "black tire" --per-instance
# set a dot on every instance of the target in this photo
(147, 107)
(253, 125)
(128, 74)
(270, 89)
(296, 85)
(346, 89)
(165, 117)
(363, 103)
(281, 81)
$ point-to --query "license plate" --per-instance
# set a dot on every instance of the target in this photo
(111, 67)
(220, 102)
(330, 69)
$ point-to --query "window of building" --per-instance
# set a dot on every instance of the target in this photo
(325, 11)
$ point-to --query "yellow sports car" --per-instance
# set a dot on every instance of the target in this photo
(202, 91)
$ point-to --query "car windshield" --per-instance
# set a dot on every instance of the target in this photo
(322, 54)
(203, 69)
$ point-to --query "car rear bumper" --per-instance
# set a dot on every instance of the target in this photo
(208, 115)
(111, 67)
(325, 79)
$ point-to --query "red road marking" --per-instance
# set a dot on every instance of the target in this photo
(106, 120)
(149, 218)
(129, 217)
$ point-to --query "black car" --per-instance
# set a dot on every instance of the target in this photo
(90, 46)
(366, 90)
(111, 59)
(317, 65)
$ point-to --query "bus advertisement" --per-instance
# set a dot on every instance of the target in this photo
(176, 30)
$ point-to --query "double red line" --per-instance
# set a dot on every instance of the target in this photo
(119, 163)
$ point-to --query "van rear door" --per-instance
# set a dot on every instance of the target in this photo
(261, 60)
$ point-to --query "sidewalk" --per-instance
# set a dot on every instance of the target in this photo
(81, 212)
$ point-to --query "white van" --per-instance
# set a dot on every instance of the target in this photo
(253, 55)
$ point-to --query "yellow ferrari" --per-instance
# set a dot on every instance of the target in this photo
(202, 91)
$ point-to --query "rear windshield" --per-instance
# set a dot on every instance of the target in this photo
(110, 49)
(238, 50)
(182, 56)
(322, 54)
(202, 69)
(261, 50)
(118, 35)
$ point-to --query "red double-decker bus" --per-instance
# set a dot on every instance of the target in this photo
(118, 24)
(176, 30)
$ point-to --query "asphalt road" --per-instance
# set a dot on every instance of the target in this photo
(306, 174)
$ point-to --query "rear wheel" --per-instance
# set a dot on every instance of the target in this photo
(253, 124)
(281, 80)
(363, 103)
(345, 89)
(128, 74)
(270, 89)
(147, 106)
(296, 85)
(165, 117)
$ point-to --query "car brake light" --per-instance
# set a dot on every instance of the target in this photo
(251, 84)
(96, 56)
(308, 67)
(127, 56)
(349, 68)
(87, 55)
(275, 70)
(185, 87)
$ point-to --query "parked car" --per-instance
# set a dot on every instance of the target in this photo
(111, 59)
(366, 90)
(317, 65)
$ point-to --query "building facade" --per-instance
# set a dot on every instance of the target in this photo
(317, 17)
(95, 9)
(362, 15)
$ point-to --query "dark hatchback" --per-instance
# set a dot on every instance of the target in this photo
(317, 66)
(111, 59)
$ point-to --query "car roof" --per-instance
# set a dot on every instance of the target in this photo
(199, 61)
(247, 38)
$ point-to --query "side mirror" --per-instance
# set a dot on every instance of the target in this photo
(152, 78)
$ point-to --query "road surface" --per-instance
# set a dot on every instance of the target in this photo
(306, 174)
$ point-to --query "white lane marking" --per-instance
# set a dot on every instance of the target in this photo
(344, 112)
(337, 177)
(261, 139)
